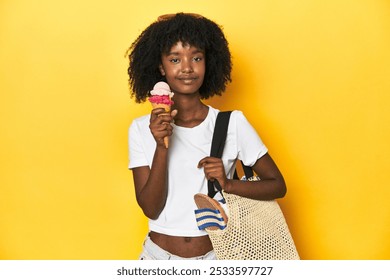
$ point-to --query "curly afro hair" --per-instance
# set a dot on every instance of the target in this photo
(159, 37)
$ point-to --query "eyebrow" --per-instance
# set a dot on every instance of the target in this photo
(193, 52)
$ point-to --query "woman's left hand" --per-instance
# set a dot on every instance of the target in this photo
(214, 170)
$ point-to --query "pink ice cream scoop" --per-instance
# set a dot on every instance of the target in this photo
(161, 94)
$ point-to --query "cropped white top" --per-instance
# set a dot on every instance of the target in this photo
(187, 147)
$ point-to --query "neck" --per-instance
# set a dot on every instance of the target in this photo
(190, 111)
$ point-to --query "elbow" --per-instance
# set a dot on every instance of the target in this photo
(153, 215)
(283, 192)
(281, 188)
(149, 210)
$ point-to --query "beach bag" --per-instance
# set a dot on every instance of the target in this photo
(252, 229)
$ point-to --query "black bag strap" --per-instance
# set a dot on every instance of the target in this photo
(217, 146)
(220, 133)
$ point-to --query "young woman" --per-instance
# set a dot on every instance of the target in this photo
(190, 53)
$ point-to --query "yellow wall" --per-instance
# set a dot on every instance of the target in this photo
(312, 76)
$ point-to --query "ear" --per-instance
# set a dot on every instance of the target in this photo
(160, 67)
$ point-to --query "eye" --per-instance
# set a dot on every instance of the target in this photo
(174, 60)
(198, 58)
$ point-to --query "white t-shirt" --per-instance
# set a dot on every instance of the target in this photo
(187, 146)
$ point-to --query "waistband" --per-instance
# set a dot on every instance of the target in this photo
(160, 254)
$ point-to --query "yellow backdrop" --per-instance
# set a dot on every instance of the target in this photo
(312, 77)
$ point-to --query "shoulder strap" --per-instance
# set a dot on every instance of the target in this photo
(218, 144)
(220, 133)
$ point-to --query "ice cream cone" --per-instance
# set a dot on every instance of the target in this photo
(167, 109)
(161, 98)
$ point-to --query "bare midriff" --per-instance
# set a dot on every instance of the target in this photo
(186, 247)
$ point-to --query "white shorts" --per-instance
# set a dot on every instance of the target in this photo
(151, 251)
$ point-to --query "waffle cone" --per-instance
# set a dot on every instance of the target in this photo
(160, 105)
(167, 109)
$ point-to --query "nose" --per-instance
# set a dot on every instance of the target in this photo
(186, 66)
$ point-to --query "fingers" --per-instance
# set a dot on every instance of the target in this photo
(160, 114)
(160, 124)
(173, 113)
(209, 161)
(213, 169)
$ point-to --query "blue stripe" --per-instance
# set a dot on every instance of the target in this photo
(203, 210)
(208, 217)
(211, 225)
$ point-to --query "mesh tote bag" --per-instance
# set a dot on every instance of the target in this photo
(253, 229)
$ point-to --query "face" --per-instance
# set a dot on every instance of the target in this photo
(184, 68)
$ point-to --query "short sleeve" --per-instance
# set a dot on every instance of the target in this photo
(250, 147)
(137, 155)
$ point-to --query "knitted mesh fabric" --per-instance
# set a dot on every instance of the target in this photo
(256, 230)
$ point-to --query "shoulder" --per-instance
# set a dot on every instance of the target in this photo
(213, 112)
(236, 114)
(140, 123)
(240, 123)
(237, 117)
(142, 119)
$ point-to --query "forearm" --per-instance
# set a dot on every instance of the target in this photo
(266, 189)
(271, 185)
(152, 196)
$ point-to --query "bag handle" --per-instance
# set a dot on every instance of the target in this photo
(217, 146)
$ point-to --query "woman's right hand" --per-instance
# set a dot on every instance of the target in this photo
(161, 125)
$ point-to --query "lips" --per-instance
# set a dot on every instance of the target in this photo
(187, 78)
